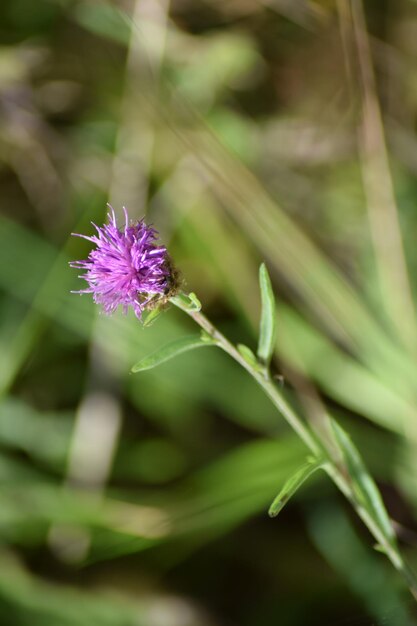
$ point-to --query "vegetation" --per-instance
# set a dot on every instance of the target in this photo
(246, 131)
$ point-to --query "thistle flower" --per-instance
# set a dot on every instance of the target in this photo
(126, 267)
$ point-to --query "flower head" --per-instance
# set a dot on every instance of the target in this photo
(126, 267)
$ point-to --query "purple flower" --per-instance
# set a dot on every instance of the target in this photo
(126, 267)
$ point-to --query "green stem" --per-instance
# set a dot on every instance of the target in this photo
(262, 378)
(331, 465)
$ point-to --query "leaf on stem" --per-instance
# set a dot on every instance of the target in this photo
(293, 484)
(267, 329)
(195, 301)
(363, 483)
(171, 350)
(248, 355)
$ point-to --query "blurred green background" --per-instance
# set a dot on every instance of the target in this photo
(245, 130)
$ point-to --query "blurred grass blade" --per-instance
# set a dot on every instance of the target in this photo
(368, 577)
(341, 376)
(27, 599)
(104, 20)
(267, 328)
(171, 350)
(292, 485)
(363, 483)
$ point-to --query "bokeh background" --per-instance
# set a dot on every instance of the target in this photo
(244, 130)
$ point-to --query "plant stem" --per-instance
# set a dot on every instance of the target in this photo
(262, 378)
(331, 465)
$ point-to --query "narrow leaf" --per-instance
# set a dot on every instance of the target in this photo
(196, 302)
(171, 350)
(151, 317)
(267, 327)
(292, 485)
(363, 483)
(248, 355)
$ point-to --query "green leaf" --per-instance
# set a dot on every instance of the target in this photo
(363, 483)
(195, 301)
(249, 356)
(171, 350)
(292, 485)
(267, 329)
(151, 317)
